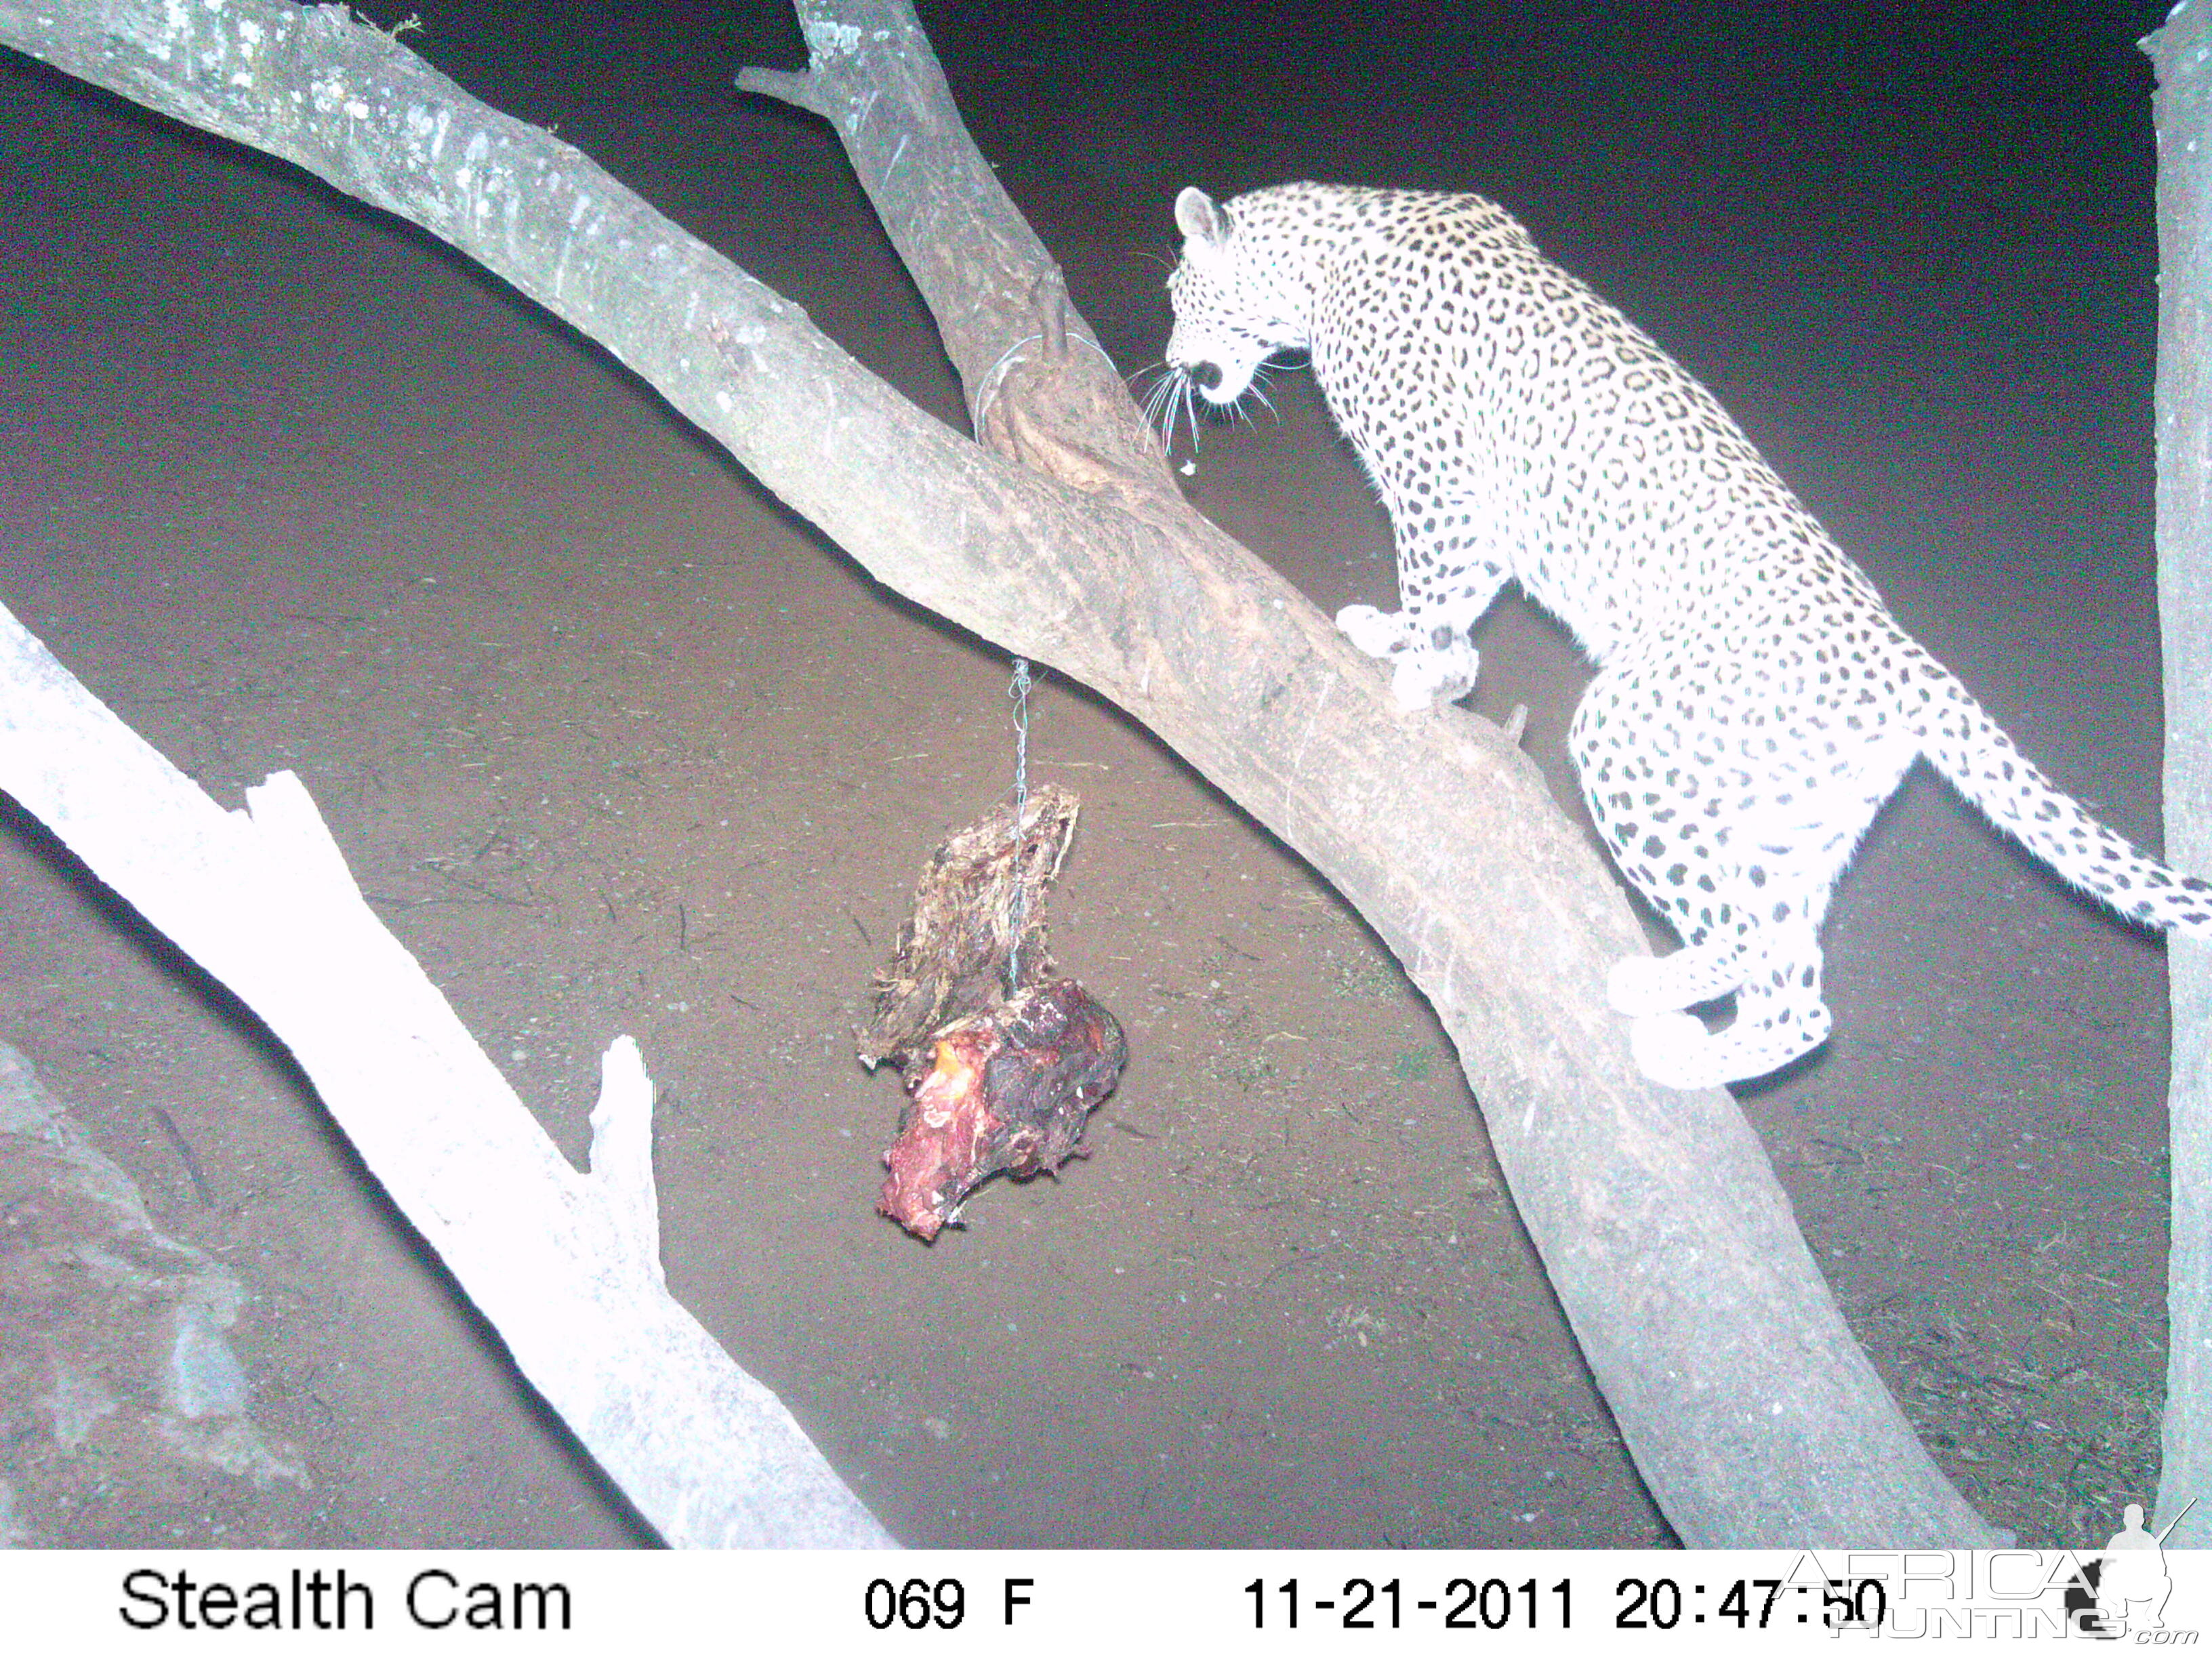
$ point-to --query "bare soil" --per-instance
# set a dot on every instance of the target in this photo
(617, 744)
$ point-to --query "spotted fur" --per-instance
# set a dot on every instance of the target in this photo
(1755, 702)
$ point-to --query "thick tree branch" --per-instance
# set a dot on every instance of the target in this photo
(1752, 1413)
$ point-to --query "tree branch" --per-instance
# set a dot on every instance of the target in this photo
(567, 1268)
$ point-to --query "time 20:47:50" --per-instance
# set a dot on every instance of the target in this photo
(1764, 1603)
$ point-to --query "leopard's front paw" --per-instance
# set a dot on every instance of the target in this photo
(1383, 633)
(1423, 677)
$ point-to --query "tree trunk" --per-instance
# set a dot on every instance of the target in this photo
(1751, 1411)
(2184, 412)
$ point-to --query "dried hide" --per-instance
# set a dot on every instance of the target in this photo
(996, 1082)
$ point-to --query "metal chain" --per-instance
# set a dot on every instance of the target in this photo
(1020, 691)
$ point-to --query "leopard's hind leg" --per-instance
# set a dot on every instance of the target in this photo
(1779, 1015)
(1681, 979)
(1736, 833)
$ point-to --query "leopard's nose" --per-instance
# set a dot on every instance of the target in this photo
(1208, 376)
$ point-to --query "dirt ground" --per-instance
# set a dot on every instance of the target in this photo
(615, 745)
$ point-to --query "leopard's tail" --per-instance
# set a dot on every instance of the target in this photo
(1967, 746)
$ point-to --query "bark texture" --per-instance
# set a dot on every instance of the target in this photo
(2183, 112)
(1754, 1416)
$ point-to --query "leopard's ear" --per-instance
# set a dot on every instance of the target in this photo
(1201, 219)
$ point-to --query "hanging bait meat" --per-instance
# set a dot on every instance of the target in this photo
(998, 1079)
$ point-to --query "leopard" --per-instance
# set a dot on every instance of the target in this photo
(1755, 702)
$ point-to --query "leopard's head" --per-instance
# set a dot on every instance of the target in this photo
(1233, 310)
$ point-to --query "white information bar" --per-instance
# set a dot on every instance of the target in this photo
(644, 1605)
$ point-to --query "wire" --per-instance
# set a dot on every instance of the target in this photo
(1020, 691)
